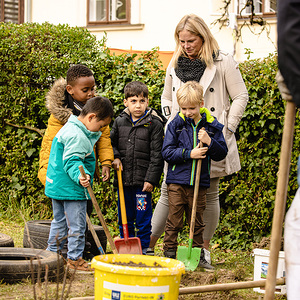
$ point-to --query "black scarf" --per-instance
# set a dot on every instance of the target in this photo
(189, 69)
(76, 106)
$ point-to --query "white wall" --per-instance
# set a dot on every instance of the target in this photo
(158, 18)
(72, 12)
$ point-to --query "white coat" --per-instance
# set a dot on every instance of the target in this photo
(226, 97)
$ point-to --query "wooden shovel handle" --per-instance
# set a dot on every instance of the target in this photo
(100, 216)
(195, 198)
(94, 234)
(122, 204)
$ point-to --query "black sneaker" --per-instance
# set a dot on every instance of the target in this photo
(171, 253)
(203, 262)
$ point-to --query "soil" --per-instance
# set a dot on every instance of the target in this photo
(138, 265)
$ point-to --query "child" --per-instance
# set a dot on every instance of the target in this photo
(65, 98)
(73, 146)
(137, 138)
(181, 150)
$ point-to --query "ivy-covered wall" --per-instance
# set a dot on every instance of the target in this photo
(32, 56)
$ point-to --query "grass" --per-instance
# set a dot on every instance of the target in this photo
(231, 266)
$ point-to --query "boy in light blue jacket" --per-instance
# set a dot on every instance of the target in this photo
(72, 147)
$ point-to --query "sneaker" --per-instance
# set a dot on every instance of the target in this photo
(148, 251)
(207, 255)
(79, 265)
(203, 263)
(171, 253)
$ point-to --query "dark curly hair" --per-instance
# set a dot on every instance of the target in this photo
(77, 71)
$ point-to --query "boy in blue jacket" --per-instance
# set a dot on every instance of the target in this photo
(181, 150)
(72, 147)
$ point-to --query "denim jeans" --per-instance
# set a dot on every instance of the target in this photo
(69, 220)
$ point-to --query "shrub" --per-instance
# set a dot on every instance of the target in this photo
(33, 56)
(247, 198)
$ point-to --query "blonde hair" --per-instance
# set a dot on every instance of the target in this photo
(196, 26)
(190, 93)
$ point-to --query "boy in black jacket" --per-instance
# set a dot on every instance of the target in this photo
(137, 138)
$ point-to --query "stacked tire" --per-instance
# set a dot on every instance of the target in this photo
(6, 240)
(36, 235)
(17, 264)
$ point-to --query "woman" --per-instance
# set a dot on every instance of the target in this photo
(197, 57)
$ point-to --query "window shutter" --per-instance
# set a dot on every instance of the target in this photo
(12, 11)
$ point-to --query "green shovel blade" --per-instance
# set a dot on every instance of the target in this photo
(189, 256)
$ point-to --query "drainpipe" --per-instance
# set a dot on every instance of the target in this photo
(28, 11)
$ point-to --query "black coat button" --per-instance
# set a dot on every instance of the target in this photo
(211, 89)
(212, 109)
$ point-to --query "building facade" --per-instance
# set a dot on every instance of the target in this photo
(140, 25)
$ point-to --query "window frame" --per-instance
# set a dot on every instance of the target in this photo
(262, 14)
(20, 11)
(107, 22)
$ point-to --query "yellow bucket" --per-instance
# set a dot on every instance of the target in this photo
(124, 282)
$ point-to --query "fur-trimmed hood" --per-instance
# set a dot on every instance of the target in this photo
(55, 101)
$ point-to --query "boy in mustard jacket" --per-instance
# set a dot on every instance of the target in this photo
(67, 97)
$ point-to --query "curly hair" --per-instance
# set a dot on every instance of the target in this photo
(77, 71)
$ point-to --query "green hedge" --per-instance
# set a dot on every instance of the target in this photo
(34, 55)
(247, 198)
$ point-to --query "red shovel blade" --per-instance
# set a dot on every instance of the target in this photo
(129, 246)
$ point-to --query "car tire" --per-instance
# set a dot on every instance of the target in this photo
(6, 240)
(17, 264)
(38, 231)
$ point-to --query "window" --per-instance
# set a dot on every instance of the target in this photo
(12, 11)
(260, 7)
(108, 11)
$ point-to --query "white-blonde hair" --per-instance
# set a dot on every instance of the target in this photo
(190, 93)
(196, 26)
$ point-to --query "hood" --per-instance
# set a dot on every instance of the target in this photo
(151, 111)
(55, 101)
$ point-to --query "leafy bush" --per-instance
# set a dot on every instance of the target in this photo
(33, 56)
(247, 198)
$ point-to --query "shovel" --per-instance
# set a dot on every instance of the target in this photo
(94, 234)
(191, 256)
(127, 245)
(99, 213)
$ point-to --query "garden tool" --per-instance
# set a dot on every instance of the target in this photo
(188, 255)
(94, 234)
(100, 216)
(127, 245)
(282, 186)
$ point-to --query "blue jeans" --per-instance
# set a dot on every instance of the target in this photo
(69, 221)
(139, 213)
